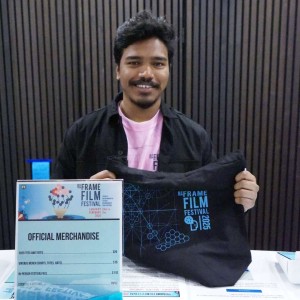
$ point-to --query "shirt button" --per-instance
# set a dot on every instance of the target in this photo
(120, 152)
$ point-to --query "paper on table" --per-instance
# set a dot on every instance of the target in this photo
(141, 282)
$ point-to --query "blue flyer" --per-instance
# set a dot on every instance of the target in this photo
(69, 239)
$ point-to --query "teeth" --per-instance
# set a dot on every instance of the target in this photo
(144, 86)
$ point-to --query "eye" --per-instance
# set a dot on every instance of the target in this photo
(159, 64)
(133, 63)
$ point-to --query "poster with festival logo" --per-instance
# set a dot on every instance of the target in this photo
(68, 239)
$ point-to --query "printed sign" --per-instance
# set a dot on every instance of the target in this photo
(68, 239)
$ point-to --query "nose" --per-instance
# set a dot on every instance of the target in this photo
(146, 72)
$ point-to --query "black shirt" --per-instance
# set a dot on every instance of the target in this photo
(100, 135)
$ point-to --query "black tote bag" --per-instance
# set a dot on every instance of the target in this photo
(186, 223)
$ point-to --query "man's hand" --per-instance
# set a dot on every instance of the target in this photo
(105, 174)
(246, 189)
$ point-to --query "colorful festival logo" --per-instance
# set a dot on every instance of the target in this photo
(196, 209)
(60, 198)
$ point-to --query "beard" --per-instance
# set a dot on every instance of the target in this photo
(143, 101)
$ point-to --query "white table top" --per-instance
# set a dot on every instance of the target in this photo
(264, 280)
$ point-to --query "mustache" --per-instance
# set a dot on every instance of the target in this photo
(144, 82)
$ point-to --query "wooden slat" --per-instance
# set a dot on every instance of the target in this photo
(293, 187)
(8, 155)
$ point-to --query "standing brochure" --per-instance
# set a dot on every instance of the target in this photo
(69, 239)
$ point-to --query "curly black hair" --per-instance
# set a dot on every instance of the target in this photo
(141, 27)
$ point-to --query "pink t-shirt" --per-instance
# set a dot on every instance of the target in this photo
(143, 140)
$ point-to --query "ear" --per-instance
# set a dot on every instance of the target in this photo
(118, 72)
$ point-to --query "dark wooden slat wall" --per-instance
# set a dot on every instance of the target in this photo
(244, 82)
(236, 71)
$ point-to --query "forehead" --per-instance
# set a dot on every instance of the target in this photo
(152, 47)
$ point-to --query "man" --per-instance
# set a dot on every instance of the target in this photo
(138, 127)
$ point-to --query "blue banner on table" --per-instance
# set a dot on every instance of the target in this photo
(68, 239)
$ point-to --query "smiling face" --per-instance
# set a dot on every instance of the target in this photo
(143, 73)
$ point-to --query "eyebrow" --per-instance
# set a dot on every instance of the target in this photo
(157, 58)
(161, 58)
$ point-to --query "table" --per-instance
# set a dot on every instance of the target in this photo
(264, 279)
